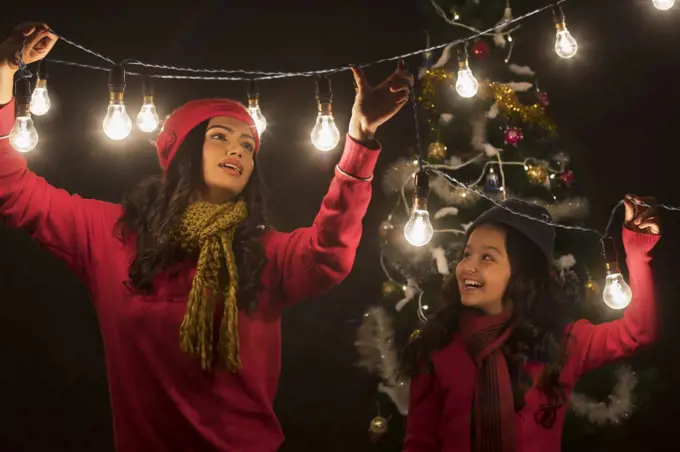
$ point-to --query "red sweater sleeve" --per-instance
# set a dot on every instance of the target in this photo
(591, 346)
(312, 259)
(61, 223)
(425, 405)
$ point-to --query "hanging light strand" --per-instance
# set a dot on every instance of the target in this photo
(271, 75)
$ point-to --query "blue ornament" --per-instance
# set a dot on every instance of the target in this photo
(493, 182)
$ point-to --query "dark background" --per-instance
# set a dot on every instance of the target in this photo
(617, 100)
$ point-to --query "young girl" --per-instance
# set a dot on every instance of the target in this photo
(493, 370)
(187, 283)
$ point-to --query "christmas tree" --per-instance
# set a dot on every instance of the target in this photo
(495, 135)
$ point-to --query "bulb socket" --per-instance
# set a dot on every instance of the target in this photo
(323, 91)
(41, 83)
(463, 55)
(325, 109)
(117, 79)
(116, 97)
(23, 110)
(43, 70)
(610, 255)
(422, 183)
(22, 91)
(147, 88)
(148, 100)
(419, 203)
(558, 15)
(253, 93)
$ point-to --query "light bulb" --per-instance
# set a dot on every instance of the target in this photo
(616, 293)
(565, 44)
(254, 107)
(663, 5)
(258, 117)
(117, 123)
(40, 100)
(418, 230)
(147, 119)
(467, 84)
(325, 134)
(23, 136)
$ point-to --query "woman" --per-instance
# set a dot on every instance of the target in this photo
(493, 370)
(187, 283)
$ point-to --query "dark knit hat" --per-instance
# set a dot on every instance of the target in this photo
(542, 234)
(181, 121)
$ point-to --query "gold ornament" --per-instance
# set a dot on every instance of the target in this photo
(592, 286)
(436, 151)
(378, 425)
(537, 174)
(509, 104)
(385, 228)
(390, 288)
(415, 334)
(428, 90)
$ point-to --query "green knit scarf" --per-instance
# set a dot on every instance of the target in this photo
(208, 230)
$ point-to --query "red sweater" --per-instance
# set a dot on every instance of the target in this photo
(440, 421)
(161, 399)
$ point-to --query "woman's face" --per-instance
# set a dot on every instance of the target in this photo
(484, 272)
(228, 159)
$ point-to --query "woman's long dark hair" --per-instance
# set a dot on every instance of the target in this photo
(539, 311)
(154, 209)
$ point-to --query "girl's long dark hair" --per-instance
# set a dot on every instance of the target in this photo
(155, 208)
(540, 311)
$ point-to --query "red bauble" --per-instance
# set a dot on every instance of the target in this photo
(480, 49)
(543, 98)
(513, 135)
(567, 178)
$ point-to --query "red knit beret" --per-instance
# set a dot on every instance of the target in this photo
(185, 118)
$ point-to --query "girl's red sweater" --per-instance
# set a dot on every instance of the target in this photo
(441, 403)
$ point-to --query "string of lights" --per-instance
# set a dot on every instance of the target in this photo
(270, 75)
(118, 125)
(325, 135)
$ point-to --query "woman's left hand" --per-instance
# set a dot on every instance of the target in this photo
(373, 106)
(642, 218)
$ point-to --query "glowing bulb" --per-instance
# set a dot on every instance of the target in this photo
(147, 119)
(258, 117)
(325, 134)
(418, 230)
(616, 293)
(663, 5)
(565, 44)
(40, 100)
(23, 136)
(117, 123)
(466, 85)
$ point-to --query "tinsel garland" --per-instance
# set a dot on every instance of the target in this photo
(620, 404)
(375, 344)
(504, 96)
(509, 104)
(430, 81)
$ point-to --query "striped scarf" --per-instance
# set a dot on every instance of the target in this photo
(208, 230)
(493, 423)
